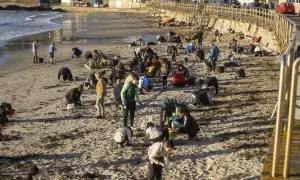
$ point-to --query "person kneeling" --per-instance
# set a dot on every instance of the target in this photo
(186, 124)
(73, 96)
(155, 134)
(145, 83)
(123, 136)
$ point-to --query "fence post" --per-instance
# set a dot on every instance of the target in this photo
(278, 127)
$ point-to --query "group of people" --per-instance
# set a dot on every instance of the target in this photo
(175, 115)
(36, 59)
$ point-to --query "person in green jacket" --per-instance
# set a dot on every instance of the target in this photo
(129, 96)
(168, 108)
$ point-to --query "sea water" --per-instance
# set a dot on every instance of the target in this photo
(17, 23)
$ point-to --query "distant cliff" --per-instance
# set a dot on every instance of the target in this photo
(21, 3)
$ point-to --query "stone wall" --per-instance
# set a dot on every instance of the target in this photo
(251, 29)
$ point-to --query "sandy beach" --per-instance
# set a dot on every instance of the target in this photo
(234, 133)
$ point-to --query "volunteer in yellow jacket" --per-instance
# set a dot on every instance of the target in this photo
(129, 96)
(101, 93)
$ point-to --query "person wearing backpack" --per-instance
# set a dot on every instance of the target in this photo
(213, 56)
(189, 126)
(129, 96)
(164, 72)
(168, 107)
(123, 136)
(145, 83)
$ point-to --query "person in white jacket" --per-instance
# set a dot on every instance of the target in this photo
(159, 157)
(123, 136)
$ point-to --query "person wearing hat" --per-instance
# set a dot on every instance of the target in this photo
(101, 93)
(159, 154)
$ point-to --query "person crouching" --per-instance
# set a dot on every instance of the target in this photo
(159, 154)
(123, 136)
(155, 134)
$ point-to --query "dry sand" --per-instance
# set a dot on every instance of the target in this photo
(232, 142)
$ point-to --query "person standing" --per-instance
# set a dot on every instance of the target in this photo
(164, 72)
(200, 38)
(101, 93)
(158, 154)
(52, 48)
(34, 51)
(214, 54)
(129, 96)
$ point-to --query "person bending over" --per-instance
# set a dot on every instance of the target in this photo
(155, 134)
(159, 154)
(123, 136)
(65, 73)
(73, 96)
(168, 107)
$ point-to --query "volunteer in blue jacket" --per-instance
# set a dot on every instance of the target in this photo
(129, 96)
(213, 56)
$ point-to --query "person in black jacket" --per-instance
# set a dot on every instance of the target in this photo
(117, 93)
(76, 52)
(73, 96)
(66, 73)
(3, 116)
(189, 126)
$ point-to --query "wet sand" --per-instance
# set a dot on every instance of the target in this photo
(234, 133)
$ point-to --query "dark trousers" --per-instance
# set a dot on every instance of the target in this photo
(164, 136)
(164, 81)
(155, 171)
(35, 58)
(163, 117)
(213, 65)
(173, 56)
(129, 109)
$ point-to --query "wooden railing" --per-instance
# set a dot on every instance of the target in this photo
(269, 19)
(285, 31)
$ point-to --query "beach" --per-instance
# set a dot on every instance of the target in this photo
(234, 133)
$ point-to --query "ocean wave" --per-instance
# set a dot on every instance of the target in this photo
(33, 23)
(31, 18)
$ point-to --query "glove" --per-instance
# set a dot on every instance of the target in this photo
(162, 164)
(141, 104)
(124, 103)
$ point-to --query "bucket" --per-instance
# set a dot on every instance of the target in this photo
(41, 60)
(221, 69)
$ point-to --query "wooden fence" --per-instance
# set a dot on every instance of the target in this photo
(269, 19)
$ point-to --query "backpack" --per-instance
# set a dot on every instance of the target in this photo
(151, 71)
(164, 69)
(147, 83)
(119, 136)
(240, 73)
(178, 79)
(191, 81)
